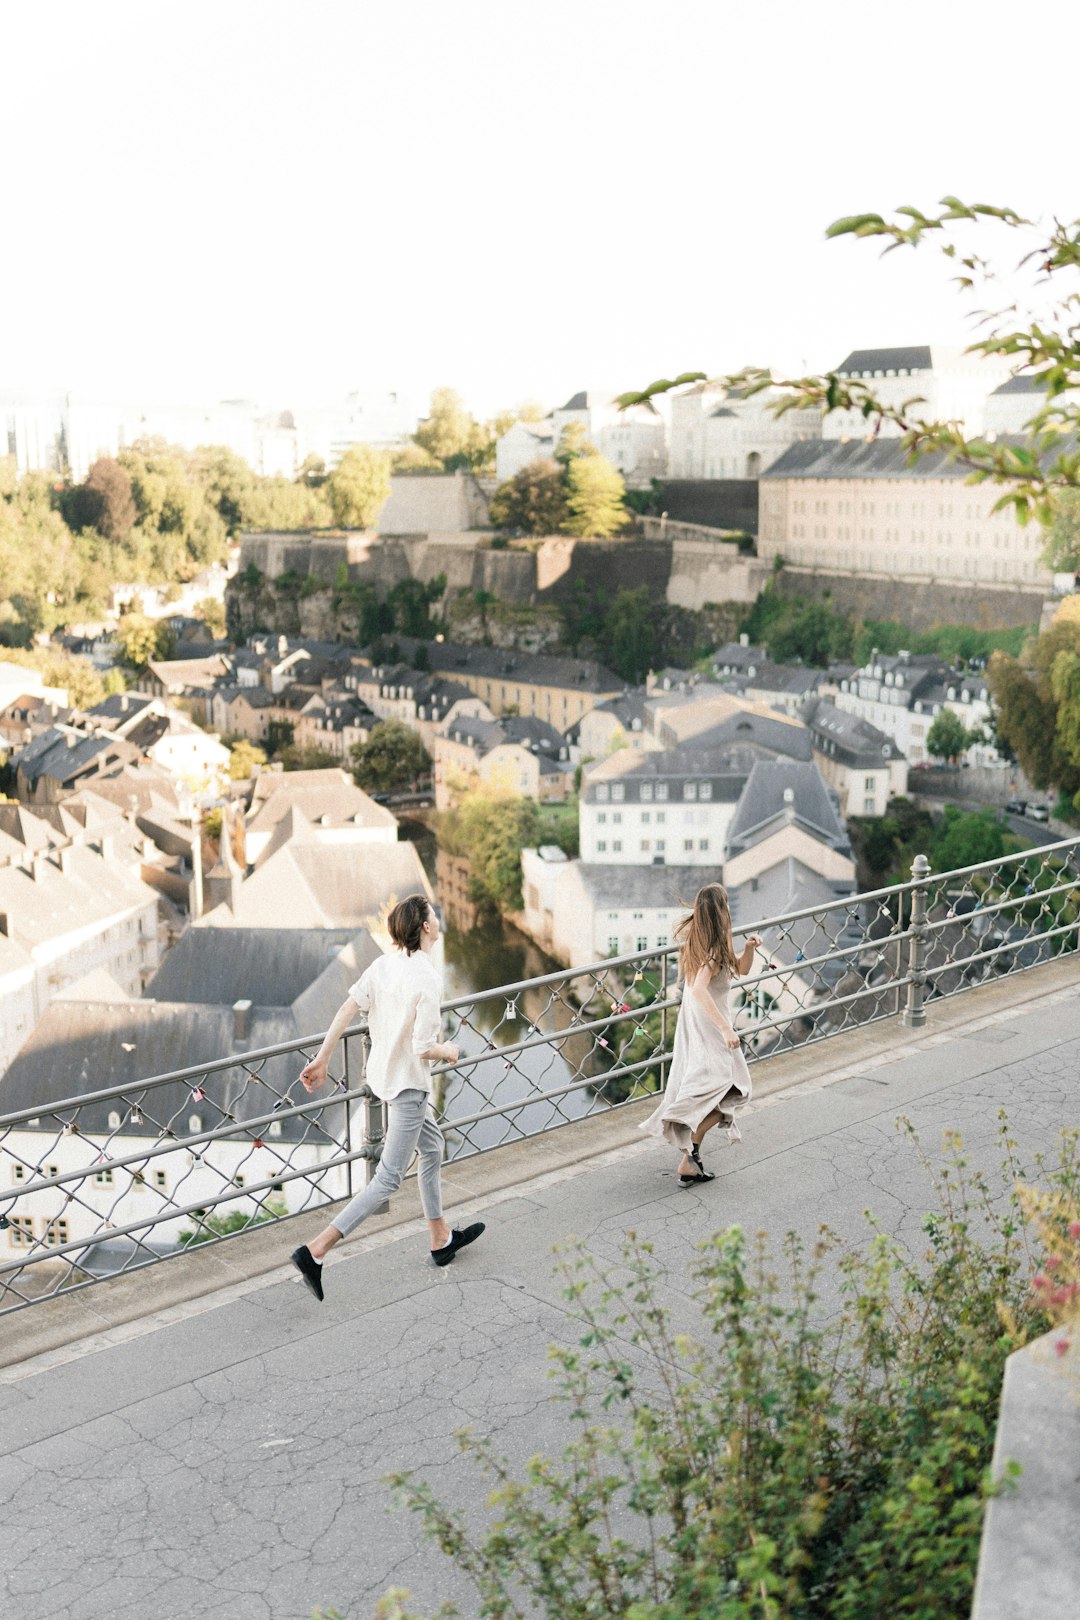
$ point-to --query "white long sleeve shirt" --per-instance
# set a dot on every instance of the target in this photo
(400, 995)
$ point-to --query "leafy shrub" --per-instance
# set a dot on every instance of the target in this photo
(785, 1463)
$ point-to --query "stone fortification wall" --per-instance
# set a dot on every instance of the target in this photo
(712, 571)
(917, 602)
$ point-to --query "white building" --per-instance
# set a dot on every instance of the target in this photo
(334, 808)
(858, 507)
(634, 440)
(664, 808)
(521, 445)
(67, 909)
(716, 433)
(950, 385)
(901, 693)
(863, 766)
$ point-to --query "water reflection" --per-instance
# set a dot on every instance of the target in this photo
(482, 958)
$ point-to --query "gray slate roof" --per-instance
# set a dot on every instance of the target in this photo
(880, 458)
(763, 805)
(726, 769)
(758, 732)
(860, 361)
(856, 742)
(1023, 383)
(268, 966)
(535, 669)
(615, 888)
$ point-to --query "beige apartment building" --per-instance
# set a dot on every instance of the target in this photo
(857, 507)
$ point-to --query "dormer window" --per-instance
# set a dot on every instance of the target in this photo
(618, 792)
(661, 790)
(706, 791)
(689, 790)
(603, 792)
(646, 792)
(952, 692)
(888, 680)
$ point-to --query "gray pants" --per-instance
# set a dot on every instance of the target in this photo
(412, 1129)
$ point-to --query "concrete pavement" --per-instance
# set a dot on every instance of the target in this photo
(226, 1460)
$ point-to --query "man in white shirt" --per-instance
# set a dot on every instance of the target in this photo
(400, 993)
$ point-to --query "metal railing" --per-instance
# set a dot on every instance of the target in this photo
(108, 1180)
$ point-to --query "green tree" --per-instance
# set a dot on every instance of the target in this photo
(967, 837)
(105, 501)
(307, 757)
(414, 458)
(312, 472)
(449, 434)
(139, 639)
(491, 833)
(594, 498)
(1061, 553)
(631, 637)
(532, 502)
(948, 736)
(359, 487)
(212, 614)
(392, 758)
(574, 444)
(243, 758)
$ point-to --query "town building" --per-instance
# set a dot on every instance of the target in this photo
(670, 807)
(633, 440)
(580, 911)
(940, 384)
(859, 507)
(558, 690)
(521, 445)
(720, 433)
(901, 693)
(337, 811)
(861, 764)
(69, 905)
(515, 756)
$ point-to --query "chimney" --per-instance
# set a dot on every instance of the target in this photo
(65, 860)
(105, 847)
(241, 1015)
(38, 864)
(744, 639)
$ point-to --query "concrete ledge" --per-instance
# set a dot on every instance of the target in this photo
(1029, 1561)
(211, 1267)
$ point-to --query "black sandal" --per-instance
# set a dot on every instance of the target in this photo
(702, 1174)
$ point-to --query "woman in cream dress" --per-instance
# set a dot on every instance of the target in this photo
(708, 1080)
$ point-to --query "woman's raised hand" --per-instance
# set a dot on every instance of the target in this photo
(315, 1074)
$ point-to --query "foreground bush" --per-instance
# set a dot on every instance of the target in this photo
(786, 1463)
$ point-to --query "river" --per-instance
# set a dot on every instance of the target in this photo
(483, 957)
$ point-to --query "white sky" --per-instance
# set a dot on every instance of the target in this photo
(289, 200)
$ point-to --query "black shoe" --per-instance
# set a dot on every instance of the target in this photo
(700, 1174)
(458, 1240)
(309, 1268)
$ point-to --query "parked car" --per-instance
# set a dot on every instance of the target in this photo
(1016, 807)
(1038, 812)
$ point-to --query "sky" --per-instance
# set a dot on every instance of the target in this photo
(289, 201)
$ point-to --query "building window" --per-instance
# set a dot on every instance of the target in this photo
(601, 815)
(646, 791)
(868, 784)
(104, 1178)
(616, 846)
(613, 945)
(644, 846)
(159, 1178)
(616, 818)
(601, 846)
(602, 792)
(56, 1233)
(642, 943)
(194, 1122)
(114, 1121)
(661, 817)
(661, 790)
(660, 846)
(275, 1128)
(703, 843)
(706, 791)
(868, 807)
(689, 790)
(238, 1181)
(687, 844)
(20, 1173)
(22, 1230)
(646, 817)
(618, 791)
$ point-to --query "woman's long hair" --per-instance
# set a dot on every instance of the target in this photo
(705, 936)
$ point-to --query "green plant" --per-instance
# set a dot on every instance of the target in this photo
(789, 1461)
(238, 1220)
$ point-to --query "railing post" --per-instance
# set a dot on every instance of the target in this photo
(664, 1019)
(348, 1121)
(915, 1011)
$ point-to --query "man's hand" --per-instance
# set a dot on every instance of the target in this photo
(451, 1052)
(315, 1074)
